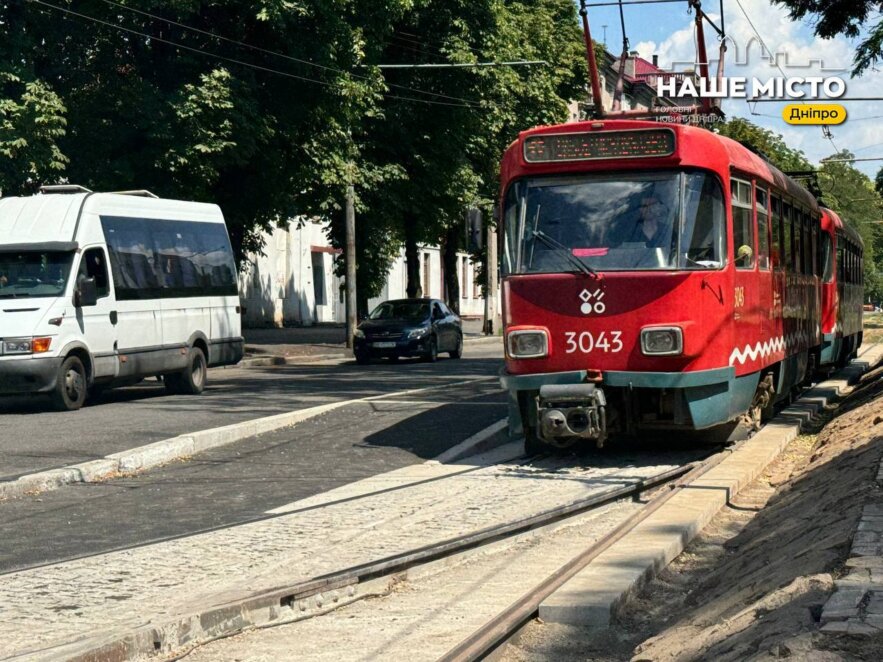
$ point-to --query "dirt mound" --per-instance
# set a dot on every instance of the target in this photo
(759, 593)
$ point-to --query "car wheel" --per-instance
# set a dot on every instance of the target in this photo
(458, 348)
(362, 359)
(431, 355)
(70, 386)
(192, 380)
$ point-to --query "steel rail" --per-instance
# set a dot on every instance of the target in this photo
(499, 629)
(402, 562)
(288, 596)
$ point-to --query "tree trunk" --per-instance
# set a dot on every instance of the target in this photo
(412, 260)
(452, 273)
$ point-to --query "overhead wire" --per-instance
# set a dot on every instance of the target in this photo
(826, 132)
(242, 63)
(242, 44)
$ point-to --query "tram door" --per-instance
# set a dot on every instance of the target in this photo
(747, 311)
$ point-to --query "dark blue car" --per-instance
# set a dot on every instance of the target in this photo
(409, 327)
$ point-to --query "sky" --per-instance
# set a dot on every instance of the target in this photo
(667, 31)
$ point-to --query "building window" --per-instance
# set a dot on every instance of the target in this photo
(318, 263)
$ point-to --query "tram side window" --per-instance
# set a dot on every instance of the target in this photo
(743, 226)
(806, 243)
(841, 269)
(799, 232)
(763, 241)
(787, 241)
(827, 263)
(816, 263)
(776, 227)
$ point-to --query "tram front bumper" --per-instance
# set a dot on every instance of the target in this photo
(712, 396)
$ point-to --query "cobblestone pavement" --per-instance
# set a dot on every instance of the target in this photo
(57, 604)
(428, 615)
(856, 607)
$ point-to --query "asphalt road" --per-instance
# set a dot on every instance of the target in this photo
(34, 438)
(242, 481)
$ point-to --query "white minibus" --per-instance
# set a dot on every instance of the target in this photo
(103, 289)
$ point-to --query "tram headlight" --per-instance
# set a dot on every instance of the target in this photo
(662, 341)
(528, 344)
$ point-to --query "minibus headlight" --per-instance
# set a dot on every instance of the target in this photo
(662, 341)
(17, 346)
(358, 333)
(528, 344)
(26, 345)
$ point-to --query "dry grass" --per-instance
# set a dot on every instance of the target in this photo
(873, 323)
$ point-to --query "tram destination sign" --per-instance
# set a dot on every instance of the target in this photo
(589, 146)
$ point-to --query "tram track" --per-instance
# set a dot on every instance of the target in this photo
(506, 624)
(396, 567)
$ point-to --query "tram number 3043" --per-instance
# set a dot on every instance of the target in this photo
(586, 342)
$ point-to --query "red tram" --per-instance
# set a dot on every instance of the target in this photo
(842, 290)
(659, 276)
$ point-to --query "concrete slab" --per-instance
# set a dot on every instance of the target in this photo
(593, 596)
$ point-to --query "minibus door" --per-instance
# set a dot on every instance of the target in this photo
(98, 319)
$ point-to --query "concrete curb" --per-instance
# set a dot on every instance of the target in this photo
(156, 454)
(238, 608)
(295, 359)
(477, 443)
(593, 597)
(176, 448)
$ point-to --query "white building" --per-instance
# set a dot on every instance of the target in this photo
(293, 283)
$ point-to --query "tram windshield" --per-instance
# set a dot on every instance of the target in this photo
(660, 220)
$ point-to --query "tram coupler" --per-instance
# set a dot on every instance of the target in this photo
(570, 412)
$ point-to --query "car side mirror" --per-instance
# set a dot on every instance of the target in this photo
(86, 293)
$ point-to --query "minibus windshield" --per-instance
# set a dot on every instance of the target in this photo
(34, 273)
(660, 220)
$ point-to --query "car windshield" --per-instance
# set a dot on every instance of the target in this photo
(614, 222)
(34, 273)
(411, 311)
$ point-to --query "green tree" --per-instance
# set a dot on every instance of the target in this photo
(769, 144)
(852, 194)
(447, 156)
(848, 18)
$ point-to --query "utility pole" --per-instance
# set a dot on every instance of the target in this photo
(491, 320)
(350, 256)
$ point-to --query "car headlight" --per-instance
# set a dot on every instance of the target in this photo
(26, 345)
(662, 341)
(358, 333)
(418, 333)
(528, 344)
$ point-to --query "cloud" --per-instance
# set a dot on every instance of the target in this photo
(800, 54)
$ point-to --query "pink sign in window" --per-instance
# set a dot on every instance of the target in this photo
(589, 252)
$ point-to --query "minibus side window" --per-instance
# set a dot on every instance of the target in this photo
(94, 265)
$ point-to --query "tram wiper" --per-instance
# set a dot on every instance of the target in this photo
(565, 251)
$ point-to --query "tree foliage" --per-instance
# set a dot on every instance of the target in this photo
(847, 18)
(271, 109)
(769, 144)
(852, 194)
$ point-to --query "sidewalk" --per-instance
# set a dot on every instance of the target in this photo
(320, 341)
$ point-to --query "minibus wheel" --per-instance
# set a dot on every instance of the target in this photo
(192, 380)
(70, 386)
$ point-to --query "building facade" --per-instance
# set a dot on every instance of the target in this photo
(293, 281)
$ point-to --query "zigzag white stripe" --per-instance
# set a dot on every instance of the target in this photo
(764, 349)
